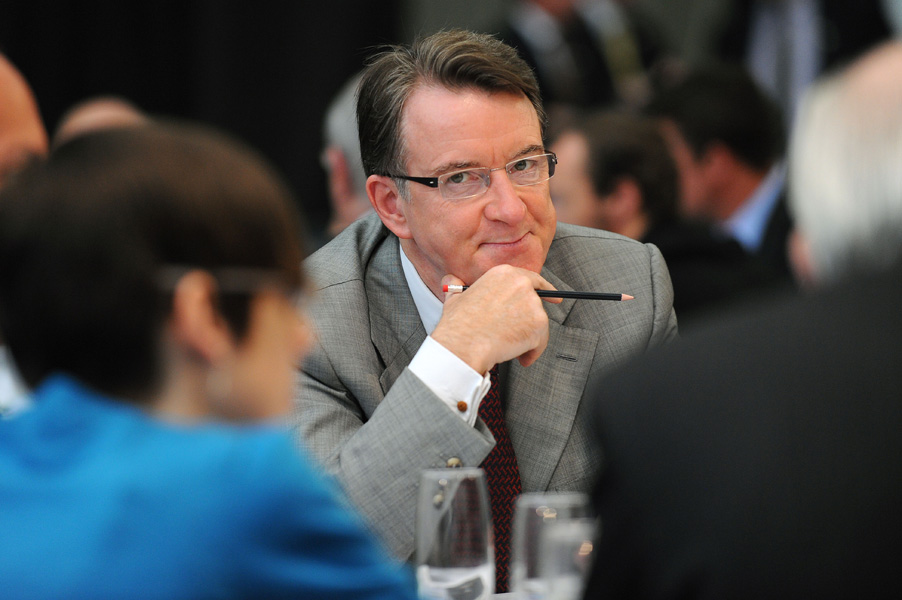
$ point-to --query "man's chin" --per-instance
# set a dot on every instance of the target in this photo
(527, 263)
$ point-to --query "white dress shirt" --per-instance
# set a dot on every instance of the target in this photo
(450, 378)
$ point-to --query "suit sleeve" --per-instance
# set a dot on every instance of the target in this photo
(377, 453)
(665, 320)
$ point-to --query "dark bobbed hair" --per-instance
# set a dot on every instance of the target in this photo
(456, 60)
(85, 234)
(719, 102)
(626, 145)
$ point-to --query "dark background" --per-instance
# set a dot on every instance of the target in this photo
(267, 70)
(264, 71)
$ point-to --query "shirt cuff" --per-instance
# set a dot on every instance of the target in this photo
(451, 379)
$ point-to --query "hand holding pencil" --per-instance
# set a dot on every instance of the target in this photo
(559, 294)
(500, 317)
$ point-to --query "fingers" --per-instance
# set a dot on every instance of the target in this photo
(527, 358)
(539, 283)
(498, 318)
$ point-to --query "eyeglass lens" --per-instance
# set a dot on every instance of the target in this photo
(529, 170)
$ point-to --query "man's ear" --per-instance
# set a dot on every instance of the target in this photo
(195, 322)
(388, 204)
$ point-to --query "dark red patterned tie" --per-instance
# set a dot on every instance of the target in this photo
(503, 477)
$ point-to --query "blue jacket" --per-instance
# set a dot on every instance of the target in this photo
(99, 500)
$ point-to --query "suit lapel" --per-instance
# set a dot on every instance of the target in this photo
(395, 325)
(541, 400)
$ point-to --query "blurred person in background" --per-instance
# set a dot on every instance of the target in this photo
(727, 138)
(23, 138)
(149, 285)
(341, 158)
(786, 44)
(893, 11)
(760, 457)
(22, 133)
(95, 113)
(587, 53)
(616, 173)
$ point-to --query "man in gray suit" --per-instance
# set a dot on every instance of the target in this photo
(451, 133)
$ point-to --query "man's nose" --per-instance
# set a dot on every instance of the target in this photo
(504, 203)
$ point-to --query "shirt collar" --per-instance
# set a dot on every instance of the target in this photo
(429, 307)
(747, 224)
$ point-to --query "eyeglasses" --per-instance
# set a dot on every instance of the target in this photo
(234, 280)
(468, 183)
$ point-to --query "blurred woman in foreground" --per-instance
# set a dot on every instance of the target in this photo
(148, 294)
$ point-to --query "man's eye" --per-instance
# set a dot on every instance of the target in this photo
(461, 177)
(523, 165)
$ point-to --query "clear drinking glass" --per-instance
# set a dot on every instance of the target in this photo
(565, 552)
(455, 554)
(534, 513)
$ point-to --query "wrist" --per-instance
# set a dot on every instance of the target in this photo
(470, 349)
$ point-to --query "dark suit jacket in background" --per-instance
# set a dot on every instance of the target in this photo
(849, 28)
(759, 458)
(594, 81)
(709, 273)
(773, 251)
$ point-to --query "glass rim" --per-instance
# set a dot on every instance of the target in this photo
(547, 496)
(446, 470)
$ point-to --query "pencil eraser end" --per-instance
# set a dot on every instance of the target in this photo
(445, 288)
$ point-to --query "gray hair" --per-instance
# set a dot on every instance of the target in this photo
(846, 166)
(454, 59)
(340, 130)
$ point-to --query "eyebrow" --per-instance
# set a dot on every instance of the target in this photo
(454, 166)
(458, 165)
(529, 150)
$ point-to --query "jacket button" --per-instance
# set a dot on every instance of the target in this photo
(454, 463)
(462, 406)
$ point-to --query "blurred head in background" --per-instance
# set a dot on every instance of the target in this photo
(615, 173)
(158, 264)
(22, 133)
(97, 113)
(725, 134)
(845, 174)
(341, 158)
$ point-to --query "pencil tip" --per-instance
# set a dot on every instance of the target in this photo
(625, 297)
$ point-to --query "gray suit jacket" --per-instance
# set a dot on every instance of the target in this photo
(375, 425)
